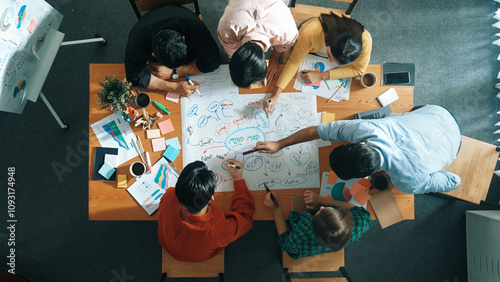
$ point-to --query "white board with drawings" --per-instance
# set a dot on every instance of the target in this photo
(222, 125)
(24, 25)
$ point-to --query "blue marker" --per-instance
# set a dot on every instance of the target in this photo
(191, 83)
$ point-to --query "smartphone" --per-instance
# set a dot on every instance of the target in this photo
(397, 78)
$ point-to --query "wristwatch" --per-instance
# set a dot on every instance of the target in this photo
(175, 75)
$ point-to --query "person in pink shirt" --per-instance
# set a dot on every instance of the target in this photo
(250, 31)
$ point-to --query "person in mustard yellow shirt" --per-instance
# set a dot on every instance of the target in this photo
(338, 38)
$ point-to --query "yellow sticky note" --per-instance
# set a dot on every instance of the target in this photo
(121, 181)
(327, 117)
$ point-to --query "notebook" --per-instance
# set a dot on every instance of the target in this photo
(99, 154)
(388, 97)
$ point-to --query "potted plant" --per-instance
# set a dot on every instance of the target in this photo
(115, 94)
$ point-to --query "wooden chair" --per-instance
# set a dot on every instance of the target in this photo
(328, 262)
(303, 12)
(475, 164)
(171, 267)
(148, 5)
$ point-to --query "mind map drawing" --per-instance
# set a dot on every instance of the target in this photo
(222, 125)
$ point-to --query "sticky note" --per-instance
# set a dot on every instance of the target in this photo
(172, 97)
(158, 144)
(366, 183)
(337, 190)
(332, 177)
(317, 83)
(333, 84)
(112, 160)
(171, 153)
(173, 142)
(347, 194)
(166, 126)
(106, 170)
(362, 197)
(153, 133)
(327, 117)
(121, 181)
(356, 187)
(32, 25)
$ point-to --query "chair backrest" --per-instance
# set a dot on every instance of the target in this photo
(148, 5)
(347, 11)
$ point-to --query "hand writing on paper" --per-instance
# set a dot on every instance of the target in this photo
(185, 89)
(268, 109)
(232, 167)
(268, 202)
(268, 147)
(311, 76)
(311, 199)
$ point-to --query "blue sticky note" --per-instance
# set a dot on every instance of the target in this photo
(106, 170)
(171, 153)
(173, 142)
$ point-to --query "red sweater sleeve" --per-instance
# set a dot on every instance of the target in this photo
(239, 219)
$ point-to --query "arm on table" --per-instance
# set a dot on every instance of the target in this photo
(312, 200)
(439, 181)
(279, 219)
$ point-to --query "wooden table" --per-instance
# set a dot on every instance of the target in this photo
(106, 202)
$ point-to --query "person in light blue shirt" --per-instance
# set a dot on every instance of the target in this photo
(412, 148)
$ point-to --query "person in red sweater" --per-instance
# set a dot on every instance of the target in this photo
(190, 227)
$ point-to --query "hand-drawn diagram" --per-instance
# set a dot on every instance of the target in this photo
(22, 24)
(112, 131)
(222, 125)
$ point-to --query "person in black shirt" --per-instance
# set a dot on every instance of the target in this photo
(168, 43)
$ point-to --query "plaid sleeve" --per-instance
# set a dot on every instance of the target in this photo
(361, 222)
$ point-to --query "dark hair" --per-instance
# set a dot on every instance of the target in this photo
(169, 48)
(354, 160)
(343, 35)
(332, 227)
(195, 186)
(248, 65)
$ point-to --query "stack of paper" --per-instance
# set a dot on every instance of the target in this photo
(325, 88)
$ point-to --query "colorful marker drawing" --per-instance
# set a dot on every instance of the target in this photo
(162, 177)
(6, 20)
(20, 87)
(222, 126)
(112, 129)
(21, 16)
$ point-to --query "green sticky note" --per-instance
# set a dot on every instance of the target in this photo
(106, 170)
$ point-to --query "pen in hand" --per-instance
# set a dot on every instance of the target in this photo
(269, 107)
(235, 166)
(271, 194)
(191, 83)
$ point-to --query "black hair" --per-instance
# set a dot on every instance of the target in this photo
(332, 227)
(169, 48)
(248, 65)
(195, 186)
(354, 160)
(343, 35)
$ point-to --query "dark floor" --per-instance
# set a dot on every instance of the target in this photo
(456, 67)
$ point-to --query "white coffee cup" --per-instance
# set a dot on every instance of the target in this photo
(137, 169)
(367, 79)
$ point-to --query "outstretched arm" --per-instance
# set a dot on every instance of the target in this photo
(303, 135)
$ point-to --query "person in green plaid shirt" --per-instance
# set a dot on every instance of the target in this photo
(335, 225)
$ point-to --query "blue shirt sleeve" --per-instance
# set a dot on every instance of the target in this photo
(440, 181)
(353, 131)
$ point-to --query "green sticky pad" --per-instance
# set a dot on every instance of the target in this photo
(106, 170)
(171, 153)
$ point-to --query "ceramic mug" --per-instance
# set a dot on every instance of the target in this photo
(137, 169)
(367, 80)
(142, 99)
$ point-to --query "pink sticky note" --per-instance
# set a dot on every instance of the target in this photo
(172, 97)
(332, 177)
(356, 187)
(317, 83)
(158, 144)
(166, 126)
(32, 25)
